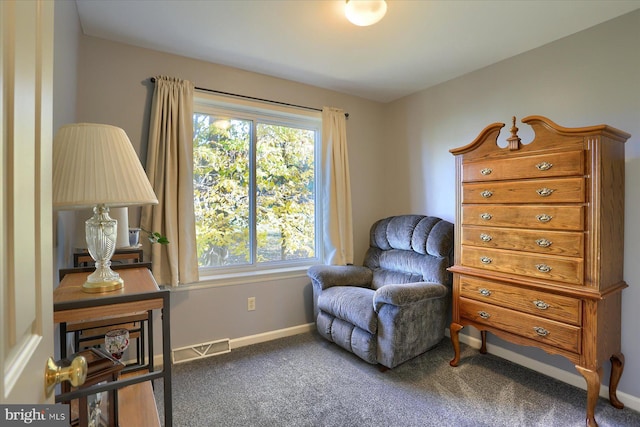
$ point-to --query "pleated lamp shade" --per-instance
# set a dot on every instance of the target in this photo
(96, 164)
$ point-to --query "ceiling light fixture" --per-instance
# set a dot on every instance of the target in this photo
(365, 12)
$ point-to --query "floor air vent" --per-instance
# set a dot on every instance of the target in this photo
(200, 351)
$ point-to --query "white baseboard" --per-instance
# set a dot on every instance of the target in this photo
(576, 380)
(271, 335)
(255, 339)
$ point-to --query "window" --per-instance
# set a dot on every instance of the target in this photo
(255, 174)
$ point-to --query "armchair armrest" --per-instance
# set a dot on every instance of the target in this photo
(407, 293)
(327, 276)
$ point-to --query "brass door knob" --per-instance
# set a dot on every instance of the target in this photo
(76, 373)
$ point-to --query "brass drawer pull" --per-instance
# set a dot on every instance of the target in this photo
(486, 171)
(541, 331)
(484, 314)
(543, 268)
(485, 237)
(544, 166)
(545, 192)
(544, 243)
(541, 304)
(486, 194)
(544, 217)
(484, 292)
(485, 260)
(486, 216)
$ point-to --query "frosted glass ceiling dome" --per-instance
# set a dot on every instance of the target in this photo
(365, 12)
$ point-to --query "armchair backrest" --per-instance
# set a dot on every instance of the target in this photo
(410, 248)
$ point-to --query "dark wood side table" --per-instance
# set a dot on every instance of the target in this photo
(140, 293)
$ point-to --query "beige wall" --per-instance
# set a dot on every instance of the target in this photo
(65, 75)
(398, 152)
(586, 79)
(66, 50)
(114, 88)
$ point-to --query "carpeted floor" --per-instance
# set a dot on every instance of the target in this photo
(306, 381)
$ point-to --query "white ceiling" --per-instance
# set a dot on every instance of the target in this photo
(417, 44)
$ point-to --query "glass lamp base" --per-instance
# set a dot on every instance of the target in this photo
(107, 286)
(101, 231)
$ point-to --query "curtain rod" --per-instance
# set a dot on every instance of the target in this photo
(346, 115)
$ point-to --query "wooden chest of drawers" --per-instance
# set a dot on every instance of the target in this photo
(539, 244)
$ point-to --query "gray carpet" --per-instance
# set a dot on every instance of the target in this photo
(306, 381)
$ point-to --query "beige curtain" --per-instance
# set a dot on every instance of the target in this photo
(170, 170)
(337, 221)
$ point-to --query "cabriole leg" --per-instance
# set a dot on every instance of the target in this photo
(593, 390)
(453, 330)
(617, 366)
(483, 347)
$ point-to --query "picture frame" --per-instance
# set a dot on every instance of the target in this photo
(96, 409)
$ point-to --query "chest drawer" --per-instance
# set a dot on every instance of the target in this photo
(568, 163)
(538, 217)
(568, 270)
(566, 190)
(565, 243)
(552, 333)
(543, 304)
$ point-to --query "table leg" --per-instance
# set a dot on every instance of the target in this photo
(63, 340)
(166, 360)
(454, 329)
(150, 338)
(593, 390)
(617, 366)
(483, 346)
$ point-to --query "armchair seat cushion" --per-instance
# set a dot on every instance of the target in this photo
(351, 304)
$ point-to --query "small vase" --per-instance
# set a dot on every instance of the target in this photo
(134, 237)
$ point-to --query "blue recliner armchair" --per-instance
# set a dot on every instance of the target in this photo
(394, 307)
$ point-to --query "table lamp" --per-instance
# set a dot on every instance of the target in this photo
(95, 165)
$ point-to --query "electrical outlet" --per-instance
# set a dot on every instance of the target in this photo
(251, 303)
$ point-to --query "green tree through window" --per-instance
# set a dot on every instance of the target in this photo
(285, 210)
(254, 191)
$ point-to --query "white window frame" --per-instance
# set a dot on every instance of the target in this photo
(226, 106)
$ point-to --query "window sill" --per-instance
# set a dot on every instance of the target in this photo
(244, 278)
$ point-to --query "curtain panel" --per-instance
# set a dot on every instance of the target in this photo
(170, 171)
(337, 218)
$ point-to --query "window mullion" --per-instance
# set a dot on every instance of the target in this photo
(253, 190)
